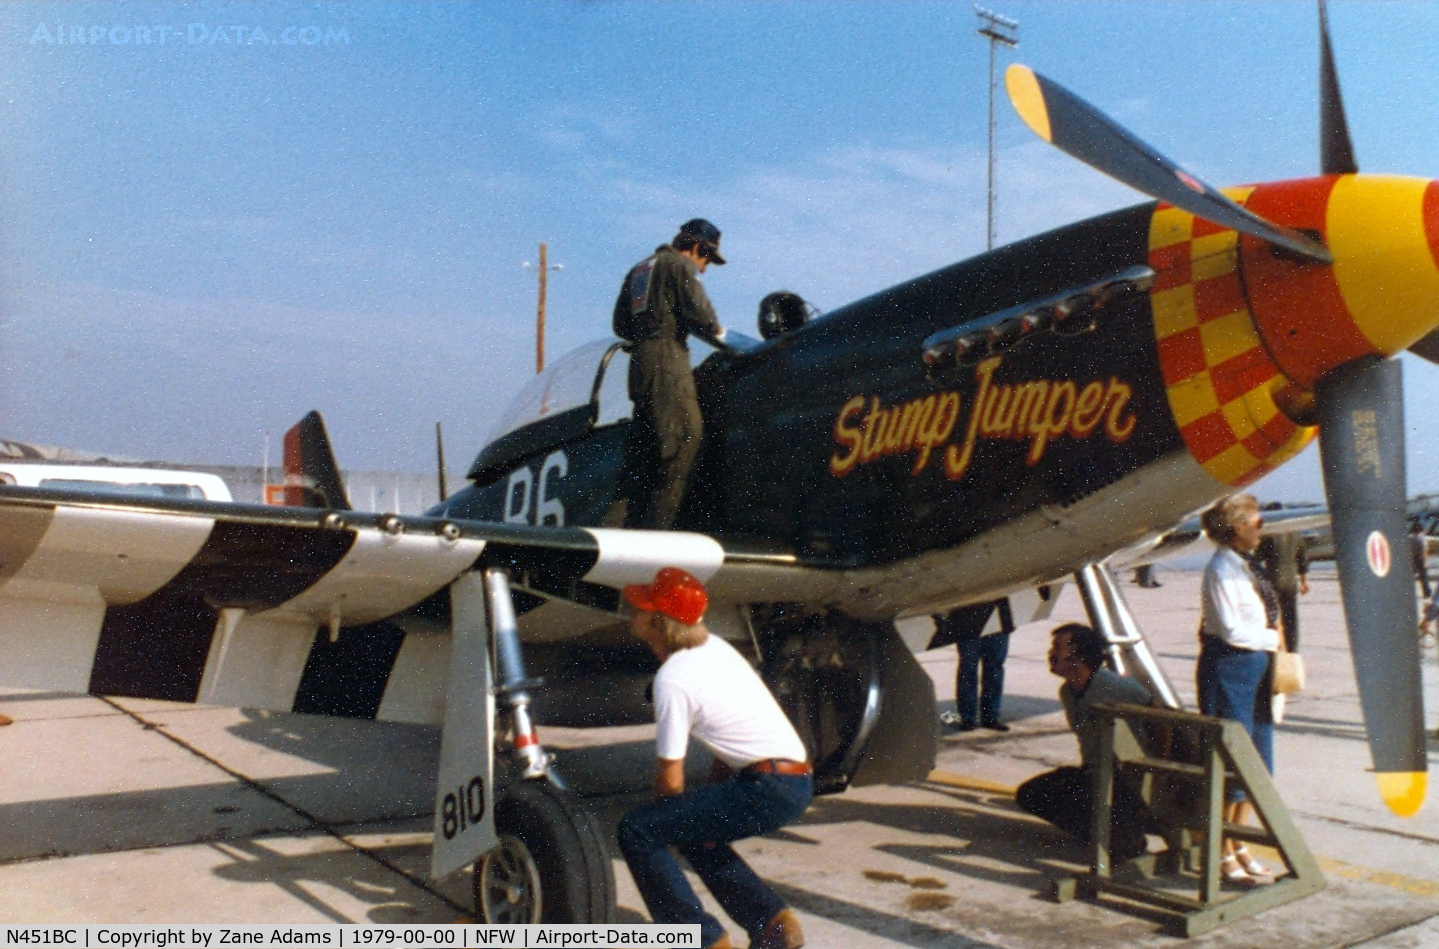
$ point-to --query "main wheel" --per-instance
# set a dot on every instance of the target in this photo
(551, 865)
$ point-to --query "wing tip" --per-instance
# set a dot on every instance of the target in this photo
(1028, 99)
(1403, 791)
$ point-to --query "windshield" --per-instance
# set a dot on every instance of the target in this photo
(740, 342)
(567, 384)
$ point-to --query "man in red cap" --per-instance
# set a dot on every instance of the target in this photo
(761, 779)
(661, 304)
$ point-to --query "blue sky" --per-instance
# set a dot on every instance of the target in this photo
(202, 239)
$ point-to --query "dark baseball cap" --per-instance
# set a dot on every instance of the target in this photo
(708, 236)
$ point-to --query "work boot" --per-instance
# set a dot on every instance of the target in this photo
(782, 932)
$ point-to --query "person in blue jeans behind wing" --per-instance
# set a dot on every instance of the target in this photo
(761, 780)
(981, 635)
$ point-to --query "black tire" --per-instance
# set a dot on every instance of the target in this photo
(551, 859)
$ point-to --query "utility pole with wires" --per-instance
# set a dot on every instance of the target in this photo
(544, 270)
(997, 29)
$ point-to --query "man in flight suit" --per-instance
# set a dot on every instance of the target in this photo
(662, 303)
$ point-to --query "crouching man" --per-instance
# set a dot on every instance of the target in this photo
(761, 779)
(1065, 796)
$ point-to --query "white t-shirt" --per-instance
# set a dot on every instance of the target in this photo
(710, 691)
(1233, 610)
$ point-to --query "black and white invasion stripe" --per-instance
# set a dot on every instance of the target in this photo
(235, 604)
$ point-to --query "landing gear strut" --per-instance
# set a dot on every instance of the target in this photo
(538, 856)
(826, 677)
(859, 700)
(513, 691)
(1109, 614)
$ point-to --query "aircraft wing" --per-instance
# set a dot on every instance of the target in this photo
(1299, 517)
(272, 607)
(1188, 536)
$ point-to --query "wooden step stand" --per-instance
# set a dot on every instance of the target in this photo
(1184, 787)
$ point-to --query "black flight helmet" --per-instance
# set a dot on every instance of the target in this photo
(781, 312)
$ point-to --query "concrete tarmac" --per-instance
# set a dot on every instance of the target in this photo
(127, 811)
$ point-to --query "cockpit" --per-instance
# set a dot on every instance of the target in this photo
(587, 389)
(583, 389)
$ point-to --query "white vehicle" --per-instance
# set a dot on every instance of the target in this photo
(114, 479)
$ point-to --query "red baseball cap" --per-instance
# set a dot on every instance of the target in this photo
(674, 593)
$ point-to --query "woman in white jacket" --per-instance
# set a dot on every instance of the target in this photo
(1238, 637)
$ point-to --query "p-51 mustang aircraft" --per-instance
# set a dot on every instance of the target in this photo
(972, 436)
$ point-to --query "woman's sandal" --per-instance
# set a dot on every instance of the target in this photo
(1256, 870)
(1232, 873)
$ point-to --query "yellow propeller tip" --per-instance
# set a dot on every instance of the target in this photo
(1403, 791)
(1028, 99)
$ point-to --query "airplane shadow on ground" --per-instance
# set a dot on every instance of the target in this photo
(877, 922)
(392, 899)
(361, 829)
(608, 809)
(376, 779)
(989, 838)
(1347, 730)
(1321, 727)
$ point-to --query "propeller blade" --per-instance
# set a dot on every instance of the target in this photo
(1361, 444)
(1336, 153)
(1076, 127)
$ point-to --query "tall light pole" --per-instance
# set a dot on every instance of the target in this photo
(997, 29)
(544, 270)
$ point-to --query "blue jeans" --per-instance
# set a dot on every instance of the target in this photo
(701, 824)
(1234, 684)
(973, 696)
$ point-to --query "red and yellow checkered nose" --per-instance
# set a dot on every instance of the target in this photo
(1382, 293)
(1223, 386)
(1243, 331)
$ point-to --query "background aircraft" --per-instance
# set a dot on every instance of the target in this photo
(986, 429)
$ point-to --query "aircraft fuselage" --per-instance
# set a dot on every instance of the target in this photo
(1005, 419)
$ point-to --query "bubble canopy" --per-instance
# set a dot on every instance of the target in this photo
(597, 371)
(570, 383)
(585, 389)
